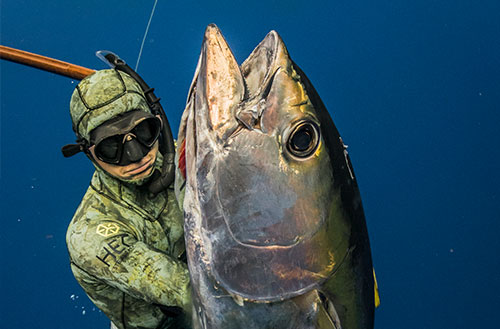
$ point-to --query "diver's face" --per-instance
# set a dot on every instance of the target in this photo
(134, 171)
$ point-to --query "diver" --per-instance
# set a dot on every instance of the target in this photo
(126, 239)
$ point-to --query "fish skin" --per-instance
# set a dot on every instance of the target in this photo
(273, 240)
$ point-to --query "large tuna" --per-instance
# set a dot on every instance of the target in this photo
(274, 227)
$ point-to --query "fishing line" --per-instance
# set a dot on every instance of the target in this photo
(145, 35)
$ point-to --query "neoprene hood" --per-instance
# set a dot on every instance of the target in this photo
(102, 96)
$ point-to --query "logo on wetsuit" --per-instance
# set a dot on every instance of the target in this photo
(107, 229)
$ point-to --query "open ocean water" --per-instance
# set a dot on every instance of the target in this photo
(413, 87)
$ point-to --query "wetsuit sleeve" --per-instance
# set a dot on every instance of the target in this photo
(110, 252)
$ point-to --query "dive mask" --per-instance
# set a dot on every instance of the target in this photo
(127, 138)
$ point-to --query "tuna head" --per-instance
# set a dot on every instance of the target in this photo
(271, 202)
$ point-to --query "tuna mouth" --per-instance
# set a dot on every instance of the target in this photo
(269, 243)
(265, 237)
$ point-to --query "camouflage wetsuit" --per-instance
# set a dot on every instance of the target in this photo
(124, 244)
(124, 248)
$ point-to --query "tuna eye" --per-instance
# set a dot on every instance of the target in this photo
(304, 139)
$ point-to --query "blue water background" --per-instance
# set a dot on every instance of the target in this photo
(413, 87)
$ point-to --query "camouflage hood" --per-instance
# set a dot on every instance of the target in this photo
(102, 96)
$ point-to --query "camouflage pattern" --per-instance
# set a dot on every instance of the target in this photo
(125, 244)
(100, 97)
(124, 248)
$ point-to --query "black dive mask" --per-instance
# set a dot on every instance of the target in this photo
(123, 142)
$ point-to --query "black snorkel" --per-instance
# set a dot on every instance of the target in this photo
(167, 147)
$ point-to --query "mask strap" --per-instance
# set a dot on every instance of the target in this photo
(71, 149)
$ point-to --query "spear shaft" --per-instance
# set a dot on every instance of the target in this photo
(44, 63)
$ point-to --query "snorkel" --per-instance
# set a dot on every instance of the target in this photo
(167, 147)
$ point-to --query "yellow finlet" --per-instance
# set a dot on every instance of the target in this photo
(375, 286)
